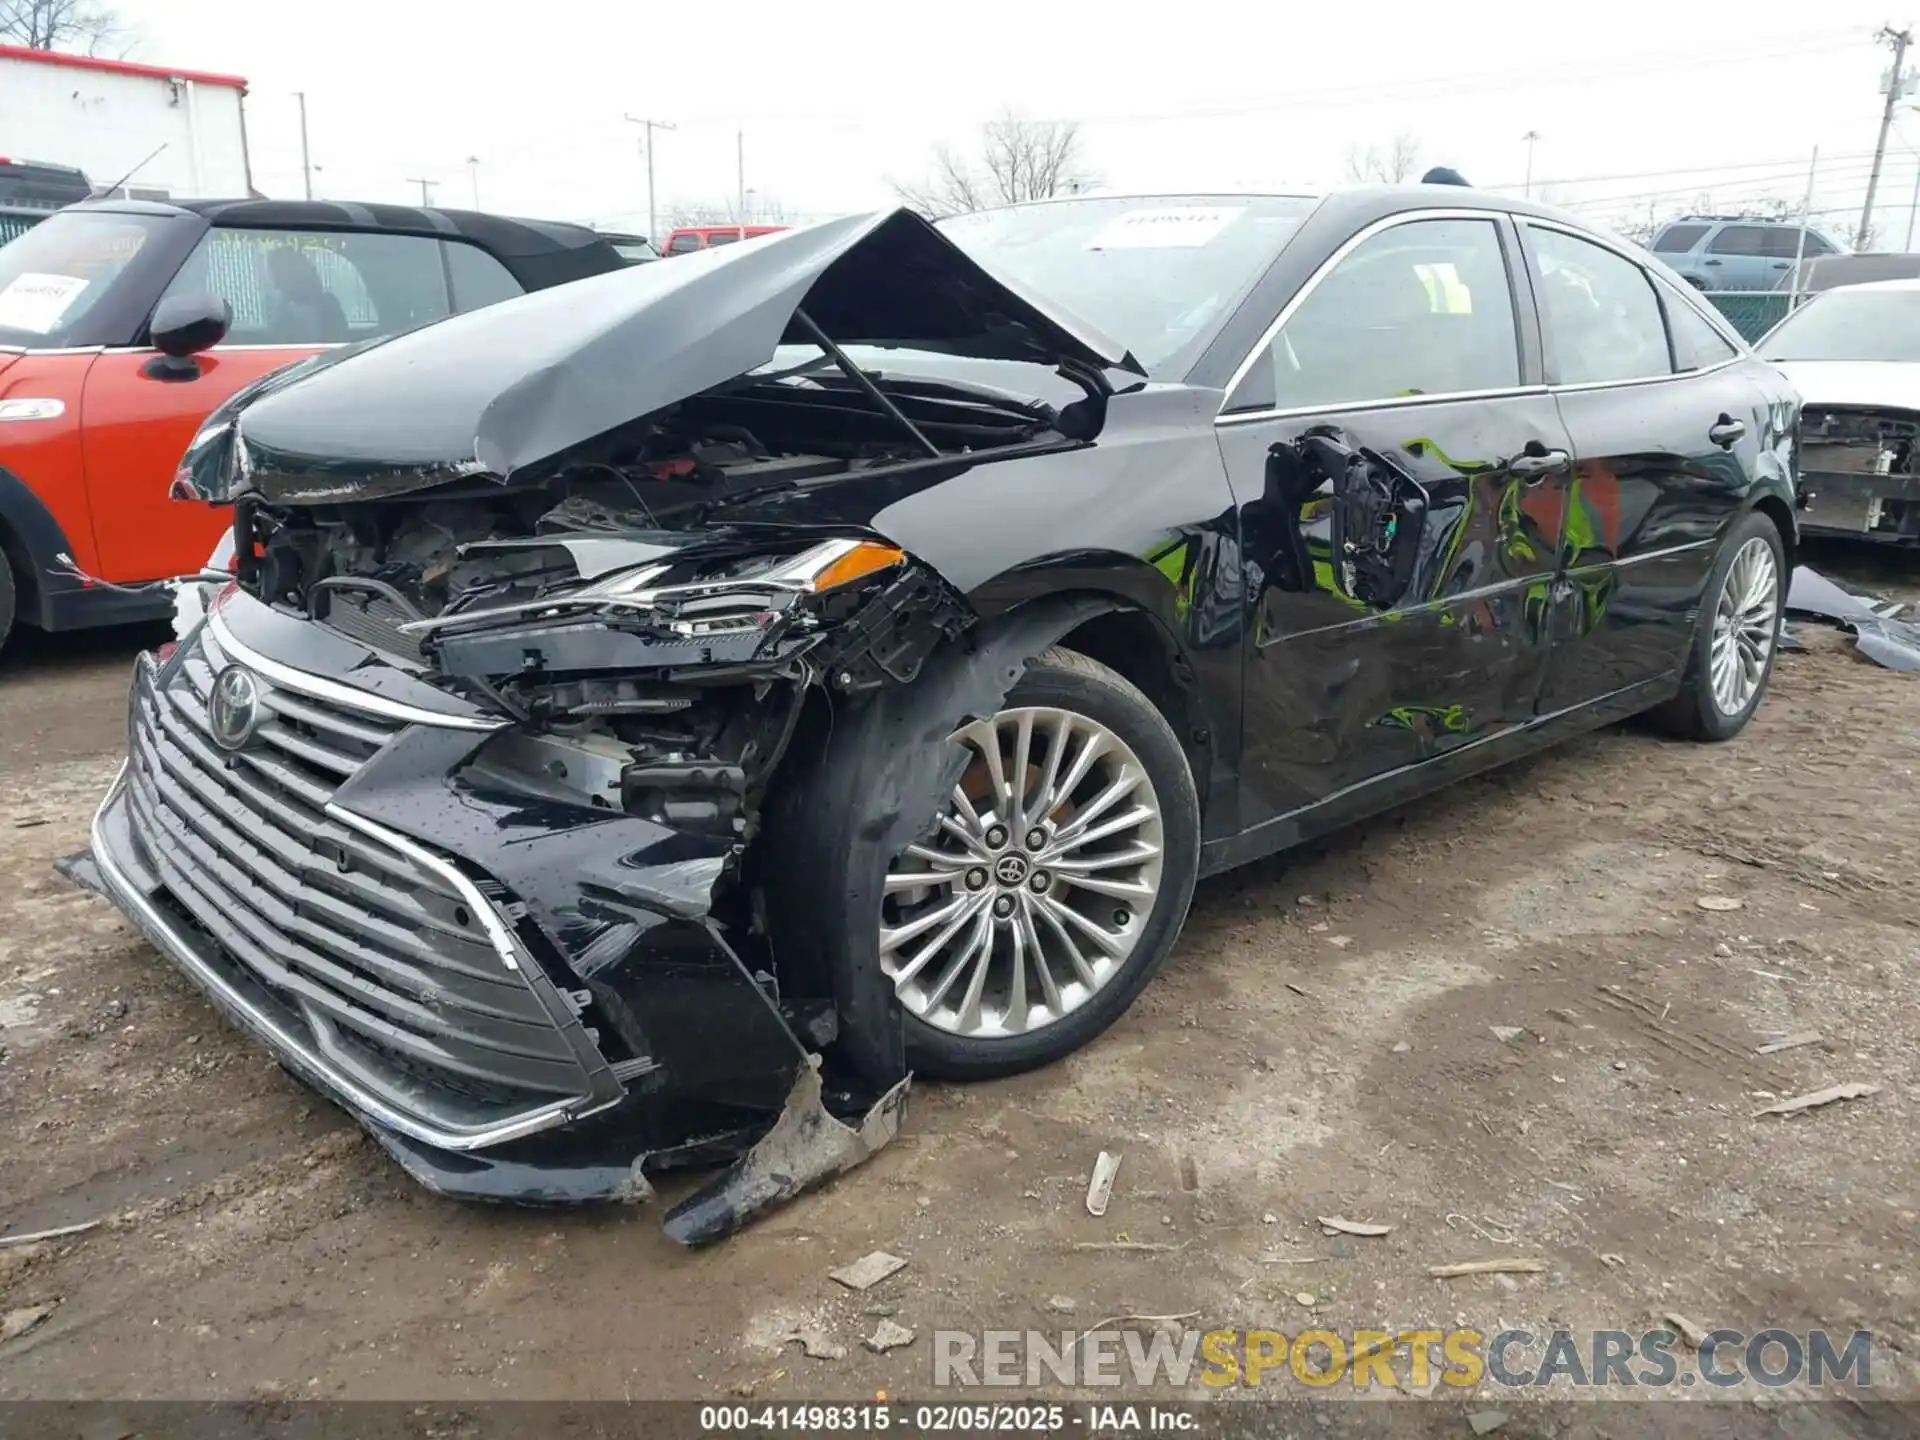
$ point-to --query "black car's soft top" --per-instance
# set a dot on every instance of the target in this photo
(537, 253)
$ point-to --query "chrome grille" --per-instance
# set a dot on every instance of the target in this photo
(378, 958)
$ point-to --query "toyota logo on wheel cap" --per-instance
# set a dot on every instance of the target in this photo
(1010, 869)
(233, 709)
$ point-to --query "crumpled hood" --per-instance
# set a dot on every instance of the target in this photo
(498, 390)
(1868, 384)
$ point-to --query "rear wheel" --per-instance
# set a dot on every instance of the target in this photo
(1056, 883)
(1735, 638)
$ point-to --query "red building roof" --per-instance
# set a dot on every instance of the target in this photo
(120, 67)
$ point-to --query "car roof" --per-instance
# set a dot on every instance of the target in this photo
(1910, 282)
(538, 253)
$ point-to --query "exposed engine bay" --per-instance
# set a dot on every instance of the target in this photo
(1857, 472)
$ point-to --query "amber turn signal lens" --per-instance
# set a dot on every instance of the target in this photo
(867, 558)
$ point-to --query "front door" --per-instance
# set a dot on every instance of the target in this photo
(1402, 476)
(138, 425)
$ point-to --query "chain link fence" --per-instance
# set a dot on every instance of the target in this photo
(15, 222)
(1753, 312)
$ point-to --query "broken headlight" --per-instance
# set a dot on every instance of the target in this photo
(687, 599)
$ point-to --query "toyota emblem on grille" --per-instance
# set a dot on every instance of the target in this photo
(234, 708)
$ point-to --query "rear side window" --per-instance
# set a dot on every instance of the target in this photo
(1423, 308)
(723, 237)
(297, 287)
(478, 279)
(1696, 344)
(1678, 239)
(1784, 243)
(1601, 314)
(681, 244)
(1740, 240)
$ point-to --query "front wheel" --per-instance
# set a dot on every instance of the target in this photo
(8, 600)
(1736, 636)
(1056, 882)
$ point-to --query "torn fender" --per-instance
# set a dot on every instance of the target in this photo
(820, 839)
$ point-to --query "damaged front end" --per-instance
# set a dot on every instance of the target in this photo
(1860, 473)
(473, 794)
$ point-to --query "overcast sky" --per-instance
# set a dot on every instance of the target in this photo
(834, 99)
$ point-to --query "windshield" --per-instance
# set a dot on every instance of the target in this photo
(52, 275)
(1851, 324)
(1156, 274)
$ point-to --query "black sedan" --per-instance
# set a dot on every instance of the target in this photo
(654, 717)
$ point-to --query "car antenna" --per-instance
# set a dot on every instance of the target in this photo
(109, 189)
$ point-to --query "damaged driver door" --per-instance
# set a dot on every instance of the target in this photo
(1402, 478)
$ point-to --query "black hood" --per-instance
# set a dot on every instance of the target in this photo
(499, 390)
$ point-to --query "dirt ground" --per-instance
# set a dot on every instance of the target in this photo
(1323, 1042)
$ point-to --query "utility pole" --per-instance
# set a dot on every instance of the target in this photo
(306, 160)
(473, 177)
(739, 173)
(1530, 137)
(1896, 87)
(425, 186)
(649, 126)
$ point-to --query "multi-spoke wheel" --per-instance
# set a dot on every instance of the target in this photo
(1039, 883)
(1055, 882)
(1744, 625)
(1737, 635)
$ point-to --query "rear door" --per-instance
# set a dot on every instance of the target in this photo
(292, 293)
(1385, 635)
(1736, 259)
(1666, 429)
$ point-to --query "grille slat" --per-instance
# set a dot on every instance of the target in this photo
(366, 949)
(322, 920)
(300, 822)
(186, 859)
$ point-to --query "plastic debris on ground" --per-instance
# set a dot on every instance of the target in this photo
(1878, 631)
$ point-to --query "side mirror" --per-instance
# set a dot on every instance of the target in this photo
(182, 327)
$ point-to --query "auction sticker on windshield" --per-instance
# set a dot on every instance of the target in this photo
(1181, 227)
(35, 302)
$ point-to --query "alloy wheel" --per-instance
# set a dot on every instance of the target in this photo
(1036, 887)
(1746, 621)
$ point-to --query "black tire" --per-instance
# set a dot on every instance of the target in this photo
(1694, 714)
(1071, 681)
(9, 600)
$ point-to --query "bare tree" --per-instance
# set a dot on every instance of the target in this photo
(1391, 164)
(1019, 159)
(81, 26)
(760, 210)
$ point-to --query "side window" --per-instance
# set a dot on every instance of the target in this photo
(478, 279)
(1815, 245)
(723, 237)
(681, 244)
(1739, 240)
(1678, 239)
(1696, 344)
(1600, 312)
(297, 287)
(1423, 308)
